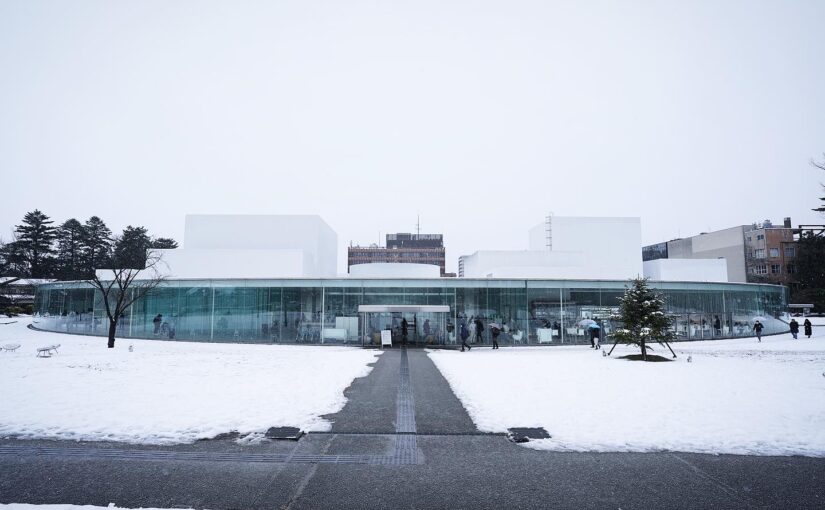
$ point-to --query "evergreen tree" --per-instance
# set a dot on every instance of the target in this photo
(641, 312)
(164, 243)
(34, 242)
(97, 245)
(131, 247)
(810, 264)
(70, 237)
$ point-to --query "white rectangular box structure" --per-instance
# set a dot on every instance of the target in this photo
(687, 270)
(254, 246)
(567, 247)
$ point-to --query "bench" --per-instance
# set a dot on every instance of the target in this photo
(10, 347)
(46, 352)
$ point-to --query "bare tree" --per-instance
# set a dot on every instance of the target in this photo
(120, 288)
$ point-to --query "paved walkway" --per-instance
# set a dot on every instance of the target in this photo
(402, 441)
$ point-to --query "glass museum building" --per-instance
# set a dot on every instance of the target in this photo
(231, 283)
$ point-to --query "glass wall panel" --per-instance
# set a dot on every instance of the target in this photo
(316, 311)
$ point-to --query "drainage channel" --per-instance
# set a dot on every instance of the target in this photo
(403, 452)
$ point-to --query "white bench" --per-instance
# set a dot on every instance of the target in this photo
(46, 352)
(11, 347)
(334, 334)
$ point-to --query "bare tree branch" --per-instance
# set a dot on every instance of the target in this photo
(125, 287)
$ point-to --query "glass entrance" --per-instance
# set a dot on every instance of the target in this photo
(418, 326)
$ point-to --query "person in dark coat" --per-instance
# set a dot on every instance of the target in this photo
(794, 328)
(717, 325)
(464, 334)
(156, 321)
(757, 326)
(479, 330)
(494, 332)
(404, 331)
(594, 338)
(807, 326)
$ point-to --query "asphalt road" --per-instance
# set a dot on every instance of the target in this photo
(402, 441)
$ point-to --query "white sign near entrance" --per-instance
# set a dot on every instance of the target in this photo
(386, 338)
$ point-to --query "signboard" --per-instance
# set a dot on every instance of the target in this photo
(386, 337)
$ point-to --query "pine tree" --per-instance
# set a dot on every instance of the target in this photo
(97, 245)
(131, 247)
(164, 243)
(70, 237)
(34, 241)
(641, 312)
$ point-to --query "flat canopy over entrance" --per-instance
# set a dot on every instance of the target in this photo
(404, 308)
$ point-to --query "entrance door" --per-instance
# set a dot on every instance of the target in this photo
(427, 325)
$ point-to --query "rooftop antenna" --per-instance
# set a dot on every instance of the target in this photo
(548, 231)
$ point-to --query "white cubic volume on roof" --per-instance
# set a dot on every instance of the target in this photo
(687, 270)
(567, 248)
(394, 270)
(254, 246)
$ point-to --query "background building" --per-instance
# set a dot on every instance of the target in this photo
(770, 253)
(756, 253)
(402, 248)
(566, 247)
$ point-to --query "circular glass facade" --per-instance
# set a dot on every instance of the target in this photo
(345, 311)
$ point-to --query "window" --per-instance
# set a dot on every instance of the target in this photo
(760, 269)
(775, 269)
(791, 269)
(774, 252)
(760, 237)
(790, 251)
(749, 238)
(759, 253)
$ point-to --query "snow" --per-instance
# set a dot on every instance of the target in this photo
(736, 396)
(167, 392)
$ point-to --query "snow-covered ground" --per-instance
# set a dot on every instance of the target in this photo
(736, 396)
(166, 392)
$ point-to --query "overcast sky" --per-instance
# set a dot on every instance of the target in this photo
(480, 116)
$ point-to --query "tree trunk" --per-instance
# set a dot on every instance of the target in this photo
(644, 351)
(112, 329)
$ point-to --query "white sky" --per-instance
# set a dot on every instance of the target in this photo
(480, 116)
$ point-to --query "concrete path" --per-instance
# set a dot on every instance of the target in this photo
(402, 441)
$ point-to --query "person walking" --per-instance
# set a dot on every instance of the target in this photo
(807, 326)
(757, 326)
(594, 338)
(717, 326)
(464, 334)
(404, 331)
(156, 321)
(479, 330)
(494, 332)
(794, 328)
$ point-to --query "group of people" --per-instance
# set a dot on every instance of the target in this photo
(795, 328)
(477, 325)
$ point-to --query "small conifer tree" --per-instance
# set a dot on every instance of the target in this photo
(641, 312)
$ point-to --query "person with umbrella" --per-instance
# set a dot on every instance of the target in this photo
(592, 329)
(794, 328)
(757, 326)
(495, 330)
(807, 326)
(595, 331)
